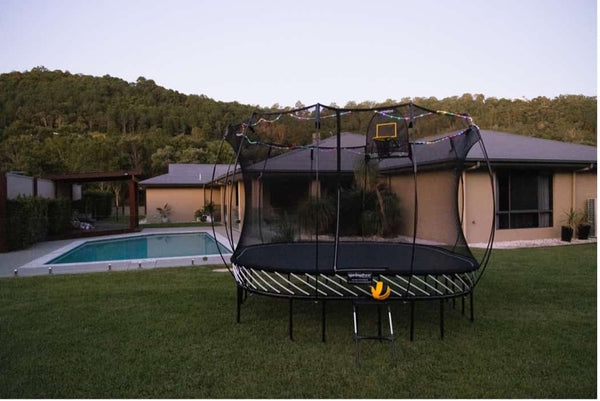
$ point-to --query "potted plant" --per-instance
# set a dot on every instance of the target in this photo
(164, 212)
(566, 231)
(583, 227)
(199, 215)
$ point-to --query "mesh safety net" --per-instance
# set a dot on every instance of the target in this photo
(322, 189)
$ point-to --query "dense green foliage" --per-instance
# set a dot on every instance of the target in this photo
(97, 204)
(28, 221)
(54, 122)
(171, 333)
(58, 122)
(32, 219)
(59, 216)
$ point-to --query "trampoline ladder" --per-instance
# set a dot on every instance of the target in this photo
(379, 336)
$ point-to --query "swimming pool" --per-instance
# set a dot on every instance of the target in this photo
(148, 246)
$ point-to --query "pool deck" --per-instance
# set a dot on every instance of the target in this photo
(29, 262)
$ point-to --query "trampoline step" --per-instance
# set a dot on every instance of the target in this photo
(358, 337)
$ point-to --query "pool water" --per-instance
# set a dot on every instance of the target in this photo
(143, 247)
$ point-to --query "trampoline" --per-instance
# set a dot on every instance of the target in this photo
(354, 256)
(329, 201)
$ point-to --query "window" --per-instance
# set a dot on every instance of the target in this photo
(524, 199)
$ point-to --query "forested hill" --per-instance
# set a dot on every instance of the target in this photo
(54, 121)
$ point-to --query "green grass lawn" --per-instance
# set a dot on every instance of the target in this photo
(171, 333)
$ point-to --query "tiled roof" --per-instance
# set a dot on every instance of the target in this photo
(501, 148)
(186, 175)
(504, 147)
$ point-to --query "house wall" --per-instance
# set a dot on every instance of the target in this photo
(45, 188)
(585, 189)
(21, 185)
(228, 196)
(479, 206)
(437, 188)
(570, 190)
(437, 205)
(18, 185)
(183, 201)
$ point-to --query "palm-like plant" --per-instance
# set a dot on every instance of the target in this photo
(164, 211)
(366, 175)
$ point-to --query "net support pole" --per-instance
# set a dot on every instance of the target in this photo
(318, 195)
(339, 184)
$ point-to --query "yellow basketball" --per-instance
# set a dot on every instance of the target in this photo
(381, 291)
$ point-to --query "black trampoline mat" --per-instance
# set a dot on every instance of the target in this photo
(300, 257)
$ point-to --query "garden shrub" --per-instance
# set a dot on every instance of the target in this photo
(59, 216)
(32, 219)
(27, 221)
(98, 203)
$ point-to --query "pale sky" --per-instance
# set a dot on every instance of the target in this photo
(263, 52)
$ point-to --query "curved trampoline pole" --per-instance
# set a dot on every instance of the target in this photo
(415, 220)
(318, 195)
(488, 251)
(260, 195)
(413, 160)
(244, 134)
(338, 175)
(461, 184)
(461, 216)
(212, 218)
(228, 174)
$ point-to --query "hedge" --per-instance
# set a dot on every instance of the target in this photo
(60, 214)
(98, 204)
(32, 219)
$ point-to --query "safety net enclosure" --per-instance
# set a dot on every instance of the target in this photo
(330, 200)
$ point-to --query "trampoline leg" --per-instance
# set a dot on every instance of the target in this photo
(442, 319)
(462, 305)
(291, 327)
(239, 303)
(356, 343)
(471, 302)
(412, 320)
(323, 321)
(393, 344)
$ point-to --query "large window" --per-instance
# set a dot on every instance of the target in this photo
(524, 199)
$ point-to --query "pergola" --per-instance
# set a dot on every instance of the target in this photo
(78, 178)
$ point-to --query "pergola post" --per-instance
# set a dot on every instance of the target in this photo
(133, 204)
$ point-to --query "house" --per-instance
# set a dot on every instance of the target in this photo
(536, 182)
(185, 188)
